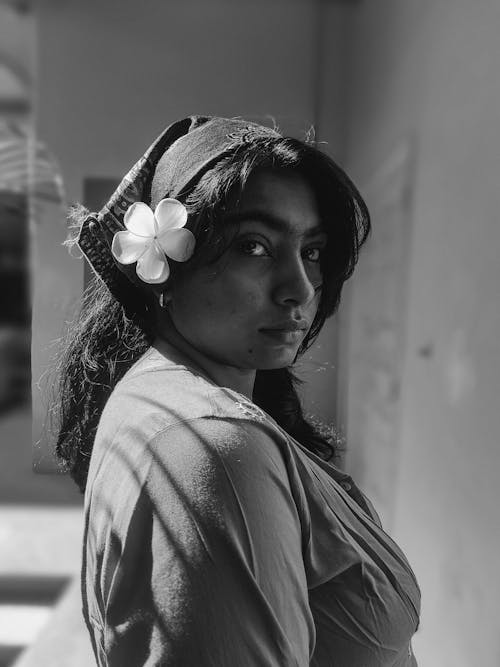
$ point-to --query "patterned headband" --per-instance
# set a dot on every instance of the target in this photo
(182, 153)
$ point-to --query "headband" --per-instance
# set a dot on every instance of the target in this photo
(174, 162)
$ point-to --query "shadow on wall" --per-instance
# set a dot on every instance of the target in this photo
(15, 311)
(29, 177)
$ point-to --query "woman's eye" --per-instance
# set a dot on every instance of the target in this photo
(313, 254)
(253, 248)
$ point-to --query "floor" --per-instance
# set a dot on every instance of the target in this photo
(40, 618)
(40, 544)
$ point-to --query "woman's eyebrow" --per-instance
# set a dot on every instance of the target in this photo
(275, 222)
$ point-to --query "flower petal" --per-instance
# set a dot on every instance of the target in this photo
(177, 244)
(139, 219)
(152, 266)
(170, 214)
(127, 247)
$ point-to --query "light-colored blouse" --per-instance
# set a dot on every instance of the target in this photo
(214, 539)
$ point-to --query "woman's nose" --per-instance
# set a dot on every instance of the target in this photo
(293, 284)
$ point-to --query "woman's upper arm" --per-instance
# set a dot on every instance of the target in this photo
(212, 572)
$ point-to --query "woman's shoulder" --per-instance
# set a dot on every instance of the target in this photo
(158, 393)
(164, 414)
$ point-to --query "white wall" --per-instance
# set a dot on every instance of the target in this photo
(112, 75)
(17, 43)
(431, 70)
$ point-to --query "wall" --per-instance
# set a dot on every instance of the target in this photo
(430, 71)
(110, 78)
(18, 56)
(17, 43)
(319, 366)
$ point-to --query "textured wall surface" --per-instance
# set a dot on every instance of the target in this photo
(431, 71)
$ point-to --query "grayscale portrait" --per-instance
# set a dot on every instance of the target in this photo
(249, 341)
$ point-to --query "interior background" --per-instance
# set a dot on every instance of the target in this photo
(406, 96)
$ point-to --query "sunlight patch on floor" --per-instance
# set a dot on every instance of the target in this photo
(20, 624)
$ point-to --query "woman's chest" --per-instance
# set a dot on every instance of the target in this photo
(363, 595)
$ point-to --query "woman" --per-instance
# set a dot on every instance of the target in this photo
(217, 532)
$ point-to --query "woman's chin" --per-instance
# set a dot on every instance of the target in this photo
(277, 360)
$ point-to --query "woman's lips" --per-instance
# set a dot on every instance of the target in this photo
(284, 336)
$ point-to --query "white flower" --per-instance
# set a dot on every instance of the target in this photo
(152, 237)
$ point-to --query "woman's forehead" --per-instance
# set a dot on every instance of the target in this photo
(282, 200)
(260, 217)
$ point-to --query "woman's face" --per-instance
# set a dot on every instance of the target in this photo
(253, 307)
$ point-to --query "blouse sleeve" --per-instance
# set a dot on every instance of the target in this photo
(210, 569)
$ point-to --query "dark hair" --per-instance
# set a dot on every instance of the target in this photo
(112, 332)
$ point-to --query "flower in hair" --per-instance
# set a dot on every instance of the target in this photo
(152, 237)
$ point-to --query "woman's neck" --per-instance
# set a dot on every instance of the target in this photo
(239, 379)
